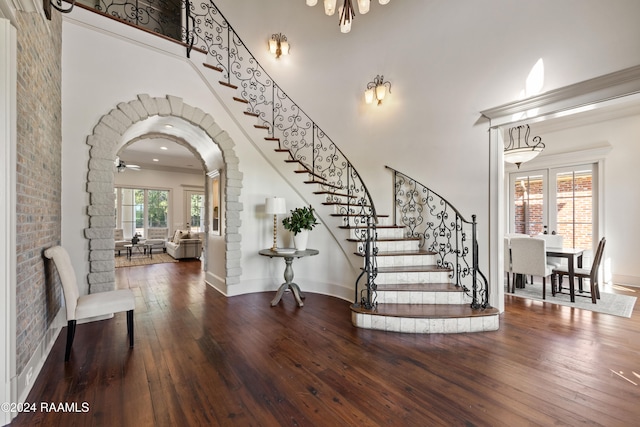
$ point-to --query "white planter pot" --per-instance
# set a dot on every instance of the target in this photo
(300, 240)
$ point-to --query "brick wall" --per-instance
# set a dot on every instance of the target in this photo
(39, 159)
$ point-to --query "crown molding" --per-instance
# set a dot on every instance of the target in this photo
(579, 95)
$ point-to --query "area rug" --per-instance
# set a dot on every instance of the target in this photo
(136, 260)
(614, 304)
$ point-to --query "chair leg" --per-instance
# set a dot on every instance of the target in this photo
(544, 288)
(130, 327)
(71, 332)
(553, 285)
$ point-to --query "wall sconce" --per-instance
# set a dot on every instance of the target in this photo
(376, 89)
(278, 45)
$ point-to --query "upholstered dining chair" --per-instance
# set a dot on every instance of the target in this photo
(507, 263)
(82, 307)
(553, 241)
(529, 258)
(585, 273)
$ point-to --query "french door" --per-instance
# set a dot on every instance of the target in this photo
(556, 201)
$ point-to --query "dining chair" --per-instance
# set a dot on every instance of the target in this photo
(83, 307)
(553, 241)
(585, 273)
(529, 258)
(507, 263)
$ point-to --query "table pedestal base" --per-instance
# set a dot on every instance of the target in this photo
(288, 284)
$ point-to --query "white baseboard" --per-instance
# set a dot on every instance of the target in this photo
(25, 380)
(619, 279)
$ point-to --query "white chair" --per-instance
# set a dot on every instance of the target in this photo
(86, 306)
(507, 262)
(529, 258)
(553, 241)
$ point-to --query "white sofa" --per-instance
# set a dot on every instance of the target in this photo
(185, 245)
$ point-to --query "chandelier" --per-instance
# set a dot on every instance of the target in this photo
(346, 13)
(519, 151)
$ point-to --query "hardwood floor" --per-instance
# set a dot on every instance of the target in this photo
(203, 359)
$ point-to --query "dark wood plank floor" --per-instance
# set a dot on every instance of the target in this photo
(203, 359)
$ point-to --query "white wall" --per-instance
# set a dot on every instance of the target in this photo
(446, 60)
(100, 71)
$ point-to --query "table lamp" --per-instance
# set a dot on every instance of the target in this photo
(275, 206)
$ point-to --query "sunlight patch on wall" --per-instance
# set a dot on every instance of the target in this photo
(533, 86)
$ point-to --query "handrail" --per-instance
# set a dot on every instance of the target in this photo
(427, 215)
(204, 28)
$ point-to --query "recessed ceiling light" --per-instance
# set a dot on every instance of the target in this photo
(163, 148)
(156, 160)
(168, 126)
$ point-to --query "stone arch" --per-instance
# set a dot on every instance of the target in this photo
(105, 142)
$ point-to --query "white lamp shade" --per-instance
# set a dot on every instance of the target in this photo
(368, 96)
(363, 6)
(275, 205)
(383, 1)
(381, 91)
(284, 46)
(329, 7)
(273, 46)
(521, 155)
(312, 2)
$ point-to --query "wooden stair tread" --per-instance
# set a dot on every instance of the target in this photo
(426, 311)
(417, 252)
(244, 101)
(261, 127)
(325, 184)
(356, 215)
(364, 227)
(333, 193)
(388, 239)
(213, 67)
(223, 83)
(271, 138)
(249, 113)
(412, 269)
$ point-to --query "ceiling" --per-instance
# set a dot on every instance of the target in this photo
(175, 157)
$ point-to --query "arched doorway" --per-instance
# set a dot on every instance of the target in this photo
(112, 132)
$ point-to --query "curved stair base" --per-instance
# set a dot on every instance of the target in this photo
(425, 318)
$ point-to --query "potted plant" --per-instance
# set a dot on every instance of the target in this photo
(300, 222)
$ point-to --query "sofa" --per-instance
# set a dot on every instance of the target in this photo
(157, 238)
(185, 244)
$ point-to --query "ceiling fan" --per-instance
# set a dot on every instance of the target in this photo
(121, 166)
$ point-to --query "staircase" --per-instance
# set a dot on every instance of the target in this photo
(408, 288)
(412, 283)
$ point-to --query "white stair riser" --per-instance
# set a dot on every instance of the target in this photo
(397, 246)
(422, 297)
(412, 277)
(342, 209)
(405, 260)
(426, 326)
(355, 221)
(382, 233)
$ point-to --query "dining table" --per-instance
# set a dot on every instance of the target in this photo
(573, 257)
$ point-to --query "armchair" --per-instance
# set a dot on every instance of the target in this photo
(119, 240)
(157, 238)
(86, 306)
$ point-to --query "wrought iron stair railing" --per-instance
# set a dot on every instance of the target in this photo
(202, 26)
(443, 230)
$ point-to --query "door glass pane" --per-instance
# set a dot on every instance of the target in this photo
(197, 211)
(529, 204)
(574, 208)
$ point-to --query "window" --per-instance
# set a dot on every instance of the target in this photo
(139, 209)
